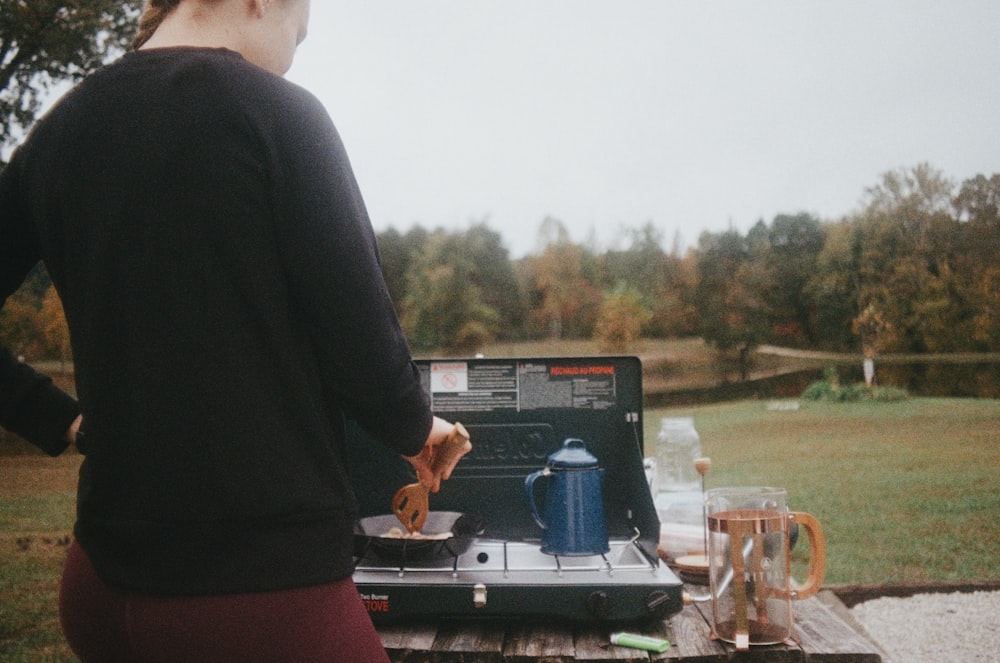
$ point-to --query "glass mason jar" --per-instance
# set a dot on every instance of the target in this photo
(677, 447)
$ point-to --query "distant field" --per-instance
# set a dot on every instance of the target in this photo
(906, 492)
(668, 364)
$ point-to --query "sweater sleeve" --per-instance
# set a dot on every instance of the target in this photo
(30, 404)
(33, 407)
(330, 253)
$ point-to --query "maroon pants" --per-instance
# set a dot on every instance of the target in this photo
(323, 623)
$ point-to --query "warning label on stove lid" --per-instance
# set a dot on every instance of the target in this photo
(521, 386)
(576, 386)
(451, 377)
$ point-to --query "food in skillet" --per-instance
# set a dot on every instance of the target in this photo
(399, 533)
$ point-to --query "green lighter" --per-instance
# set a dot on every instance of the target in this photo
(636, 641)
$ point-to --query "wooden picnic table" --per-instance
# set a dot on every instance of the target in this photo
(821, 636)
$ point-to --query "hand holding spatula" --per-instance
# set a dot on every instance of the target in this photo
(410, 503)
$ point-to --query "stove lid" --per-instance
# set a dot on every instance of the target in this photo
(520, 411)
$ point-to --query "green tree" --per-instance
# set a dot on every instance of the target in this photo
(397, 252)
(53, 327)
(986, 321)
(913, 270)
(734, 316)
(491, 270)
(873, 330)
(907, 249)
(443, 308)
(793, 244)
(621, 320)
(20, 325)
(44, 42)
(657, 277)
(978, 200)
(977, 205)
(562, 286)
(832, 291)
(480, 256)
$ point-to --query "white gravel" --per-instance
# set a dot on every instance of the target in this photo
(950, 627)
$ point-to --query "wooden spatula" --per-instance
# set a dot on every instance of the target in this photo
(410, 502)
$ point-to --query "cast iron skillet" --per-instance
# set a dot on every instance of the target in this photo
(370, 538)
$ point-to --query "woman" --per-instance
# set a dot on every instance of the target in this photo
(200, 220)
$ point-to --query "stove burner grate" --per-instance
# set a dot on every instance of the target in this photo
(503, 557)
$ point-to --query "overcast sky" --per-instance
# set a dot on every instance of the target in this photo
(693, 115)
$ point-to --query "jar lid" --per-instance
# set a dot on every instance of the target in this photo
(573, 455)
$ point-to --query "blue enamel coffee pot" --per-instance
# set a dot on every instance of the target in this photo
(574, 502)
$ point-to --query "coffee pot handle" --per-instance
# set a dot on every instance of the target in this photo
(529, 491)
(817, 554)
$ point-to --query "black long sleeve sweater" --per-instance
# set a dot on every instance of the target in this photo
(202, 225)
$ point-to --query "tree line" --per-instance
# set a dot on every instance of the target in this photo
(916, 270)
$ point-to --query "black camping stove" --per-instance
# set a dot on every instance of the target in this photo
(517, 412)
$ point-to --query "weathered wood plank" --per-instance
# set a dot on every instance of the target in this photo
(786, 653)
(660, 630)
(477, 641)
(533, 642)
(594, 644)
(401, 640)
(688, 632)
(827, 639)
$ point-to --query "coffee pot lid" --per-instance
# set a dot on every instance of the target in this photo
(573, 455)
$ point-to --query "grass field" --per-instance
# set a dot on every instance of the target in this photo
(37, 508)
(906, 492)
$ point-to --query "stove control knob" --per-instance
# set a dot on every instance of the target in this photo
(479, 595)
(658, 603)
(599, 604)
